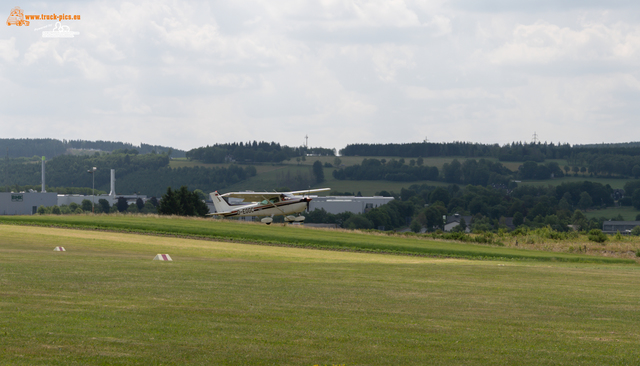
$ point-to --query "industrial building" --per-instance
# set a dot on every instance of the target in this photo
(623, 227)
(25, 203)
(66, 199)
(340, 204)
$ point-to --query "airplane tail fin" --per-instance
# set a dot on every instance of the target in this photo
(219, 203)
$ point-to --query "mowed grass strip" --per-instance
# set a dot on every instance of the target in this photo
(297, 236)
(105, 301)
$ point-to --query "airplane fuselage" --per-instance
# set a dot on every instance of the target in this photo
(286, 207)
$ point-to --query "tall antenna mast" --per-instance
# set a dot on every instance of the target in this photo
(306, 141)
(535, 138)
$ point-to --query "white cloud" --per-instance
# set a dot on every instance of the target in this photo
(8, 51)
(544, 43)
(340, 71)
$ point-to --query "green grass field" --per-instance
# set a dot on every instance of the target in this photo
(300, 237)
(628, 213)
(105, 301)
(614, 183)
(270, 176)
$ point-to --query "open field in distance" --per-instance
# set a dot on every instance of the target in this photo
(301, 236)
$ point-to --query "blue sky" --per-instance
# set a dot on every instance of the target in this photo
(189, 74)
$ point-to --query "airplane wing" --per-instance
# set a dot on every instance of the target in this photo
(252, 196)
(308, 191)
(260, 196)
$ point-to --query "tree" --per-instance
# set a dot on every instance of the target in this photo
(452, 172)
(518, 219)
(636, 198)
(463, 224)
(337, 161)
(55, 210)
(597, 235)
(86, 205)
(154, 201)
(139, 204)
(169, 204)
(585, 201)
(104, 205)
(564, 204)
(149, 208)
(440, 194)
(416, 227)
(357, 222)
(182, 202)
(318, 171)
(122, 204)
(636, 171)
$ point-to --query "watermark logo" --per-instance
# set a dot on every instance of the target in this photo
(16, 17)
(59, 31)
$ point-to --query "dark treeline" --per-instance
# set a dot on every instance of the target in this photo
(50, 148)
(182, 202)
(526, 206)
(426, 149)
(516, 151)
(135, 173)
(394, 170)
(260, 152)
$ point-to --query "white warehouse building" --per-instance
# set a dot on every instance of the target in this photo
(25, 203)
(340, 204)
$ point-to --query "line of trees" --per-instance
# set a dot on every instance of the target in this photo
(50, 148)
(597, 157)
(182, 202)
(262, 152)
(423, 206)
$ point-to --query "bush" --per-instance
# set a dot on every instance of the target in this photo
(635, 231)
(597, 235)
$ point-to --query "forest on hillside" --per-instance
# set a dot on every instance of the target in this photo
(16, 148)
(253, 152)
(515, 151)
(147, 174)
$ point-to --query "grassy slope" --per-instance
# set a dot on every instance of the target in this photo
(628, 213)
(267, 177)
(298, 236)
(104, 301)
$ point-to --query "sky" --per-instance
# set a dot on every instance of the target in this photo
(188, 74)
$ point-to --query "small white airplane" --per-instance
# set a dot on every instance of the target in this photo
(264, 204)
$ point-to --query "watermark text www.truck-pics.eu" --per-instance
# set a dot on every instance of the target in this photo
(17, 17)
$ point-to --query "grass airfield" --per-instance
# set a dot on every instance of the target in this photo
(105, 301)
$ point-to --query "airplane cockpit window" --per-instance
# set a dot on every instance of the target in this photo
(274, 200)
(264, 202)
